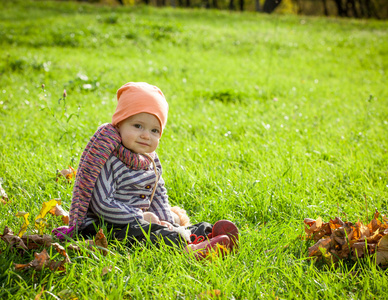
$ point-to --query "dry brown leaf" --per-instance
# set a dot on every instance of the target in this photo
(309, 221)
(68, 174)
(336, 223)
(317, 224)
(341, 238)
(385, 219)
(90, 244)
(323, 243)
(60, 249)
(324, 231)
(382, 251)
(316, 229)
(41, 259)
(343, 235)
(3, 195)
(34, 241)
(210, 294)
(37, 297)
(360, 249)
(343, 252)
(376, 224)
(361, 231)
(101, 241)
(373, 238)
(57, 210)
(73, 247)
(12, 240)
(60, 265)
(106, 270)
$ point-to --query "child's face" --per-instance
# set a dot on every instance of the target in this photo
(140, 133)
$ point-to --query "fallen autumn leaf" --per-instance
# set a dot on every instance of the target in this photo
(3, 195)
(58, 211)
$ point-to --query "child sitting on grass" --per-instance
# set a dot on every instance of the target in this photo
(119, 182)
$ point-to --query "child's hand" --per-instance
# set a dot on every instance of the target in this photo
(167, 224)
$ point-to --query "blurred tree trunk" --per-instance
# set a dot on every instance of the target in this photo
(325, 10)
(363, 10)
(231, 4)
(351, 5)
(215, 4)
(121, 2)
(340, 9)
(371, 9)
(188, 3)
(241, 2)
(257, 5)
(206, 4)
(173, 3)
(299, 6)
(270, 5)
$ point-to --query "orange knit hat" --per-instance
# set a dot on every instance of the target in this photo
(140, 97)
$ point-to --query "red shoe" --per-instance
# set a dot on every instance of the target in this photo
(225, 227)
(202, 250)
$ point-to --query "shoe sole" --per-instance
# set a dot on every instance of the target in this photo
(225, 227)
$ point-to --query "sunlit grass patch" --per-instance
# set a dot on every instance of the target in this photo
(272, 119)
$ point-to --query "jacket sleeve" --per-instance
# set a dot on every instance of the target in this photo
(160, 205)
(106, 203)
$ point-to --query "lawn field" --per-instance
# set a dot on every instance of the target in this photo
(273, 119)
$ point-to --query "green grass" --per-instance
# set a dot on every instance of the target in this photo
(229, 151)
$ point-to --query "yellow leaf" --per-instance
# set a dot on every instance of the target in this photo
(46, 207)
(219, 251)
(40, 224)
(26, 222)
(67, 294)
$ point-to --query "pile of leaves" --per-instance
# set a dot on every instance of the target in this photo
(42, 259)
(23, 242)
(338, 240)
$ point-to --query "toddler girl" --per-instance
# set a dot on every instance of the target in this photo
(119, 179)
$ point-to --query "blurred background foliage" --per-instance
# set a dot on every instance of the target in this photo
(343, 8)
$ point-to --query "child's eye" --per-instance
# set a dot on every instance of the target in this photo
(155, 130)
(137, 126)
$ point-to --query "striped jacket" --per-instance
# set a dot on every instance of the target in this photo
(121, 195)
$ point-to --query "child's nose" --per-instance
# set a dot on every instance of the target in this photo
(145, 134)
